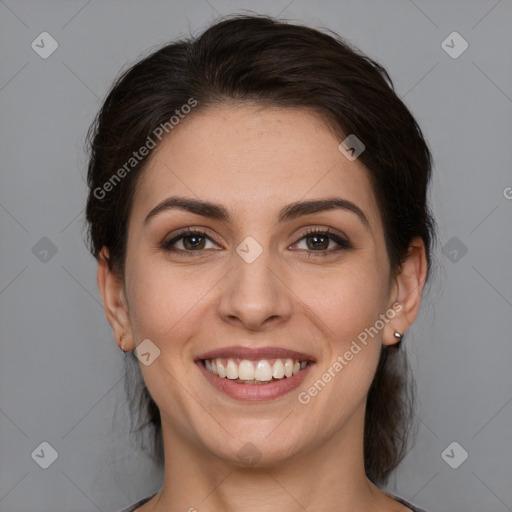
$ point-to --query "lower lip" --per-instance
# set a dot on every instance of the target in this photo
(254, 392)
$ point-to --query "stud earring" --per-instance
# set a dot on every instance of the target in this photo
(121, 345)
(398, 336)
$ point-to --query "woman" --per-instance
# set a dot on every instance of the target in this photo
(258, 210)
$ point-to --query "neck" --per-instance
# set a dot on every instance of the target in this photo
(329, 476)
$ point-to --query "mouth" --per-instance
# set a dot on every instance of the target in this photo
(262, 371)
(255, 374)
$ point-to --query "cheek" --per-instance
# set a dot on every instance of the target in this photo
(346, 307)
(164, 303)
(167, 307)
(347, 304)
(345, 301)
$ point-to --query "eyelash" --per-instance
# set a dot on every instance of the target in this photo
(343, 243)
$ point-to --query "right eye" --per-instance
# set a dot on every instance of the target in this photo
(190, 240)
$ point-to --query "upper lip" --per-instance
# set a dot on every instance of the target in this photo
(254, 353)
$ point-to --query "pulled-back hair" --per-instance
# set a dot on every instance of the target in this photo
(262, 60)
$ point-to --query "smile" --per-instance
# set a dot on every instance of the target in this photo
(254, 372)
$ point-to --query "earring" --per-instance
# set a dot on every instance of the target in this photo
(398, 336)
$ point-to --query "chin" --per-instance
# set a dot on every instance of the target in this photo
(257, 452)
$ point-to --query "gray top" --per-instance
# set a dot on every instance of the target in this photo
(414, 508)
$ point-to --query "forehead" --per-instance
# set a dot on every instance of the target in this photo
(255, 160)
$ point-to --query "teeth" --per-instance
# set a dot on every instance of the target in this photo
(246, 370)
(231, 370)
(263, 371)
(220, 368)
(278, 369)
(288, 368)
(252, 371)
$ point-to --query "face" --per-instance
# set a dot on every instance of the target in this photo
(260, 280)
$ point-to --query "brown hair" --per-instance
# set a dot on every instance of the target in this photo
(270, 62)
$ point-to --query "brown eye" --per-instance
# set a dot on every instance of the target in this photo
(315, 242)
(188, 241)
(192, 242)
(324, 243)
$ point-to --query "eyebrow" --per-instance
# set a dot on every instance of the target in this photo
(287, 213)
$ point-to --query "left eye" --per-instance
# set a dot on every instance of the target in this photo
(319, 241)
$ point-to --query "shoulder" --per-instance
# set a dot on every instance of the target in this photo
(135, 506)
(403, 501)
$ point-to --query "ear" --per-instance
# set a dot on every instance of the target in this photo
(115, 303)
(405, 298)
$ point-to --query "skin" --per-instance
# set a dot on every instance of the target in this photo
(254, 161)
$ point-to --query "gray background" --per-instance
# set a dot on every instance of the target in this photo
(60, 370)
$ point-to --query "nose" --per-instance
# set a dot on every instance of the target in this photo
(255, 295)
